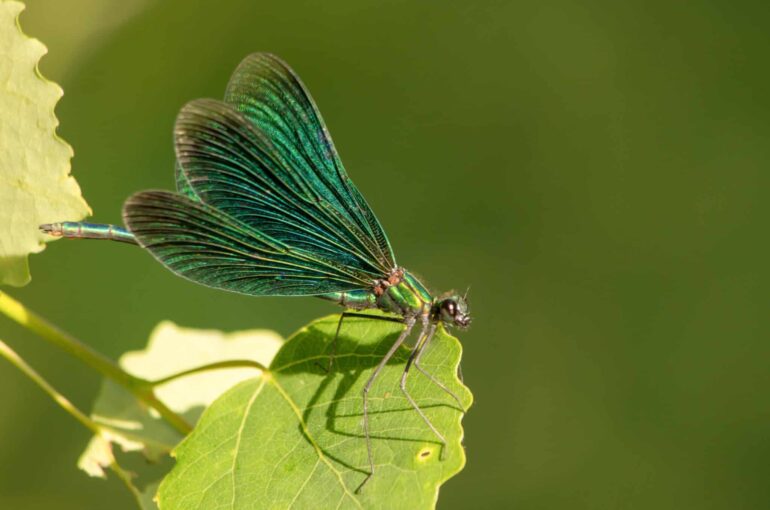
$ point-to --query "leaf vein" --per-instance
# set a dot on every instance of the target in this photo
(317, 448)
(246, 412)
(302, 487)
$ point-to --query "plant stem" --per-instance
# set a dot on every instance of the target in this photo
(235, 363)
(127, 480)
(61, 400)
(146, 394)
(33, 322)
(140, 388)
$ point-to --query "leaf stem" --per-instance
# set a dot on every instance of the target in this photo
(30, 320)
(234, 363)
(128, 481)
(62, 401)
(140, 388)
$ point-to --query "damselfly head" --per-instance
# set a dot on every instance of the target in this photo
(453, 311)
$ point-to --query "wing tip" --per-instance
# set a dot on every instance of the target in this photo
(261, 56)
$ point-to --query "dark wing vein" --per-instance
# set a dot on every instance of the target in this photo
(273, 98)
(234, 167)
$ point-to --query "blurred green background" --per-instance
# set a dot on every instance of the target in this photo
(597, 171)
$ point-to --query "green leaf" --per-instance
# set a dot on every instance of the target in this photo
(35, 182)
(129, 424)
(99, 455)
(173, 349)
(132, 426)
(293, 437)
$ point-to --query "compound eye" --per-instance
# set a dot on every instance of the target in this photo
(450, 307)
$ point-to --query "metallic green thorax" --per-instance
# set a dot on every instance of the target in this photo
(401, 294)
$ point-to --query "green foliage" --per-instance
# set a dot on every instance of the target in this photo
(127, 422)
(35, 185)
(293, 436)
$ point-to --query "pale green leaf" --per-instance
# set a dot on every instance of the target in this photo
(293, 437)
(128, 422)
(172, 349)
(35, 182)
(98, 454)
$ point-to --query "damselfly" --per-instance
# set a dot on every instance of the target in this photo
(264, 207)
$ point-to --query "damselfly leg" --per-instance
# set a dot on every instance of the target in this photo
(343, 315)
(425, 335)
(433, 379)
(409, 321)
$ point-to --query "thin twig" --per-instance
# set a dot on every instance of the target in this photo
(62, 401)
(234, 363)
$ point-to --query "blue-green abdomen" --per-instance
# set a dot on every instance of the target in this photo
(355, 299)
